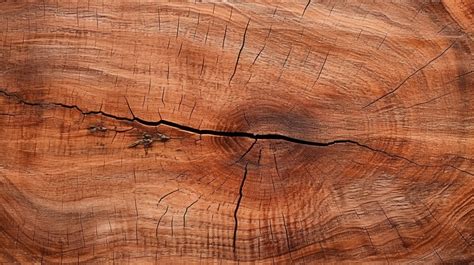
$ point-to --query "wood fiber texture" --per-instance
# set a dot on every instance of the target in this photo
(242, 132)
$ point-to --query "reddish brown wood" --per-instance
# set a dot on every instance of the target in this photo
(259, 132)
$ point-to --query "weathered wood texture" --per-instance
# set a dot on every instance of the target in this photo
(310, 131)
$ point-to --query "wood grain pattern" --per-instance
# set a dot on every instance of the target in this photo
(254, 132)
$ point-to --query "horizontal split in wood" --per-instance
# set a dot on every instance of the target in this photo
(192, 130)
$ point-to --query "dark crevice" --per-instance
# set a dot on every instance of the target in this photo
(439, 96)
(232, 134)
(240, 52)
(264, 45)
(223, 39)
(236, 221)
(166, 195)
(321, 69)
(276, 166)
(182, 127)
(395, 227)
(464, 171)
(410, 76)
(247, 151)
(186, 211)
(159, 221)
(306, 7)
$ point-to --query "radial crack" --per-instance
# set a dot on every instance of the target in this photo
(166, 195)
(247, 151)
(186, 211)
(240, 52)
(410, 76)
(321, 69)
(159, 221)
(236, 221)
(306, 7)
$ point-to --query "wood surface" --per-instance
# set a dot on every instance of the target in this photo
(244, 132)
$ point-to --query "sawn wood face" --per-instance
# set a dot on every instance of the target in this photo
(258, 132)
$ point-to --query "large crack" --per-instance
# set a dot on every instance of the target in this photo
(232, 134)
(236, 211)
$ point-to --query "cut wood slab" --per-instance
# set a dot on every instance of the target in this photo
(268, 132)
